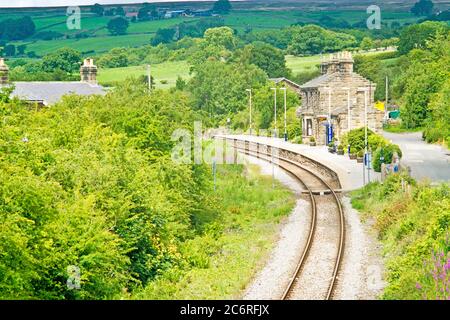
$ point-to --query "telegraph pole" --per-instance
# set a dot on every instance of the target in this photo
(149, 76)
(387, 93)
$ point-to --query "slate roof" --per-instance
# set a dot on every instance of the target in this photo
(292, 83)
(316, 82)
(51, 92)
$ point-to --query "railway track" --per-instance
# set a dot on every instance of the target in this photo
(303, 174)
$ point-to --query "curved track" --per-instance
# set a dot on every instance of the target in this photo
(294, 168)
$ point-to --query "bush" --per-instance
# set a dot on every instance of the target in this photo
(388, 152)
(414, 230)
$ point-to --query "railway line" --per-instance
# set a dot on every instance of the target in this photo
(326, 230)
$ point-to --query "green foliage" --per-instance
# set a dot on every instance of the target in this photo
(313, 39)
(223, 258)
(17, 29)
(355, 138)
(423, 8)
(100, 193)
(415, 36)
(118, 26)
(425, 75)
(65, 59)
(438, 126)
(222, 6)
(263, 102)
(387, 151)
(97, 9)
(116, 58)
(218, 88)
(266, 57)
(413, 226)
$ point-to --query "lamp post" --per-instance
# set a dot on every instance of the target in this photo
(275, 109)
(329, 114)
(365, 89)
(250, 103)
(285, 113)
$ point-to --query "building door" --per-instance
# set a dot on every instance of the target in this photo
(309, 127)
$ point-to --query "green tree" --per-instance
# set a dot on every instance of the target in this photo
(10, 50)
(118, 26)
(424, 76)
(218, 88)
(220, 37)
(367, 43)
(17, 29)
(21, 49)
(312, 39)
(266, 57)
(423, 8)
(222, 6)
(98, 9)
(120, 11)
(415, 36)
(65, 59)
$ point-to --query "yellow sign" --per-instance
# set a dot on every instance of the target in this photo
(379, 105)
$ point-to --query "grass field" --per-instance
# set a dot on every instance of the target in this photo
(309, 63)
(140, 33)
(88, 45)
(167, 71)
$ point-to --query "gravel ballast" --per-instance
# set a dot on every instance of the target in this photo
(360, 275)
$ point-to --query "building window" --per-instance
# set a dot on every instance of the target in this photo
(309, 127)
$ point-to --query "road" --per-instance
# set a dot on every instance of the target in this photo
(427, 161)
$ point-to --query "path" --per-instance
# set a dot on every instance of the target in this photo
(427, 161)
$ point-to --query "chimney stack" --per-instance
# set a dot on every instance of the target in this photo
(88, 71)
(346, 62)
(4, 72)
(333, 64)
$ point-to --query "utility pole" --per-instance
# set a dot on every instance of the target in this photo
(149, 77)
(285, 113)
(364, 89)
(275, 110)
(250, 103)
(387, 93)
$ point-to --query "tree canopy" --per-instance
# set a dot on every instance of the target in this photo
(65, 59)
(423, 8)
(118, 26)
(222, 6)
(17, 29)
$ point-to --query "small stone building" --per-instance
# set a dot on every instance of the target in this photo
(44, 93)
(337, 97)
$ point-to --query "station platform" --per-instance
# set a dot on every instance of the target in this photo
(350, 172)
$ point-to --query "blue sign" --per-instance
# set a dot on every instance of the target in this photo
(329, 129)
(367, 160)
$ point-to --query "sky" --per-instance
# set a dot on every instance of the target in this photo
(64, 3)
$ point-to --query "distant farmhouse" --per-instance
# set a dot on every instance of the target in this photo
(47, 93)
(338, 97)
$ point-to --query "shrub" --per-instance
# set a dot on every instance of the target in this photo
(387, 152)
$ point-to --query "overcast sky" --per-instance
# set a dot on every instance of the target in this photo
(63, 3)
